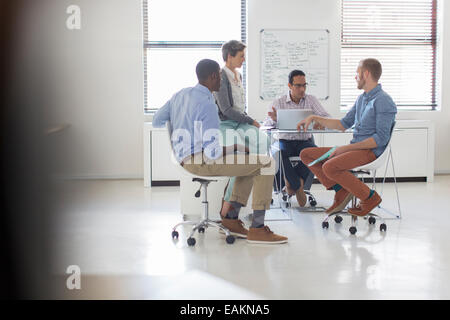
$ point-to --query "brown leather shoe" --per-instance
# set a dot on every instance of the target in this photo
(300, 194)
(341, 198)
(366, 206)
(236, 227)
(264, 235)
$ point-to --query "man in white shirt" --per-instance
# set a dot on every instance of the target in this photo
(291, 144)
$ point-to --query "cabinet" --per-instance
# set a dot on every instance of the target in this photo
(412, 147)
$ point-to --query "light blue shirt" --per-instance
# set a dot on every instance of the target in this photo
(194, 118)
(373, 115)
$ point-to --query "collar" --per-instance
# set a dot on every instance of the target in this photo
(288, 97)
(229, 73)
(202, 89)
(369, 95)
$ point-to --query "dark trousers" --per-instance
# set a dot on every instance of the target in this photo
(292, 148)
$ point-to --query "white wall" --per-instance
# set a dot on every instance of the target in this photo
(290, 14)
(101, 86)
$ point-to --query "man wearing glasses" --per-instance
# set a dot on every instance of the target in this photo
(291, 144)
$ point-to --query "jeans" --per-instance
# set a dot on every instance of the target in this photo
(292, 148)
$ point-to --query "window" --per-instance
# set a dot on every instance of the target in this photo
(178, 34)
(401, 34)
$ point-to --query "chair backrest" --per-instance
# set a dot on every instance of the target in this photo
(381, 160)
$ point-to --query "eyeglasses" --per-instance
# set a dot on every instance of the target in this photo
(299, 85)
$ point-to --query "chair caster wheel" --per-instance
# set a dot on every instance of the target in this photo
(230, 239)
(175, 234)
(285, 197)
(383, 227)
(313, 203)
(372, 220)
(338, 219)
(352, 230)
(287, 204)
(325, 225)
(191, 242)
(201, 230)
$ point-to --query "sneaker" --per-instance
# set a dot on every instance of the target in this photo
(364, 207)
(300, 194)
(264, 235)
(341, 198)
(235, 226)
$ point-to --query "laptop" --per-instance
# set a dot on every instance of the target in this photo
(287, 119)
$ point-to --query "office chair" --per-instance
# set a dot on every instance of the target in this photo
(371, 169)
(206, 222)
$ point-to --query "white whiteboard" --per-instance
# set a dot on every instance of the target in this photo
(285, 50)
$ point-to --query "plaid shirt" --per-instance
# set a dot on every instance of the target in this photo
(285, 102)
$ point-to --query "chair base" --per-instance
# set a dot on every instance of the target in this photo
(203, 224)
(371, 217)
(285, 202)
(201, 227)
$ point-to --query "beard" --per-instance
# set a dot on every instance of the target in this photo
(361, 84)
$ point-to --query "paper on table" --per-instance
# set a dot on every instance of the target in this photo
(322, 157)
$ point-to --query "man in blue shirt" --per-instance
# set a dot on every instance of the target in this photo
(372, 116)
(196, 137)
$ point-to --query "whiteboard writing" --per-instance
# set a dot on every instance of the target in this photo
(285, 50)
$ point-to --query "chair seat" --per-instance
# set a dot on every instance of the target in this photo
(377, 163)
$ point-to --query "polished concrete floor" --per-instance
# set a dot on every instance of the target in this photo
(119, 234)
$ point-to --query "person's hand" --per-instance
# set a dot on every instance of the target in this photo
(256, 123)
(339, 150)
(241, 148)
(304, 124)
(318, 126)
(273, 114)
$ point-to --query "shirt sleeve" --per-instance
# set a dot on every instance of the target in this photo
(349, 119)
(385, 111)
(317, 108)
(162, 116)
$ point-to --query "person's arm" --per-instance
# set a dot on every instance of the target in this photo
(385, 111)
(161, 116)
(342, 125)
(271, 119)
(318, 110)
(226, 106)
(321, 121)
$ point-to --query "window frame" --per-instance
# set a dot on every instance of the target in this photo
(147, 44)
(433, 43)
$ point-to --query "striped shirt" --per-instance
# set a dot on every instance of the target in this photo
(285, 102)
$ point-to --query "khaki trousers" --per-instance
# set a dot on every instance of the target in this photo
(251, 171)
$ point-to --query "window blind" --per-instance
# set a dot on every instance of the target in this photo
(402, 36)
